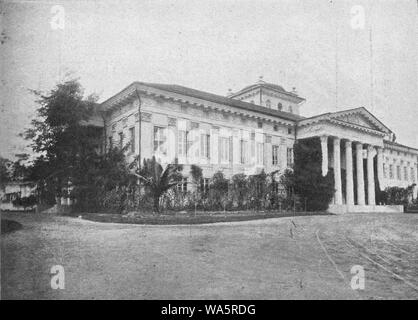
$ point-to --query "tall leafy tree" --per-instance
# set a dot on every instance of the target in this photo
(306, 179)
(59, 134)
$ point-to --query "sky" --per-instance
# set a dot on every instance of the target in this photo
(338, 54)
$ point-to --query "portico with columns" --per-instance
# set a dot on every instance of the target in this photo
(351, 146)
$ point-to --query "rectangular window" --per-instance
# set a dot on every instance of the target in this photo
(204, 185)
(275, 154)
(398, 172)
(205, 146)
(110, 142)
(244, 150)
(260, 153)
(132, 139)
(391, 171)
(160, 140)
(405, 173)
(120, 140)
(289, 157)
(413, 178)
(385, 173)
(182, 186)
(224, 149)
(182, 143)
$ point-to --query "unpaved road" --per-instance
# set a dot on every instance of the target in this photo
(283, 258)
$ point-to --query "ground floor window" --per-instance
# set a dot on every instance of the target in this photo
(289, 157)
(204, 185)
(182, 186)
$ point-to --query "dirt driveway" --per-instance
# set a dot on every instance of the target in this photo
(284, 258)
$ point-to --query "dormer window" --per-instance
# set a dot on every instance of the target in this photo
(279, 106)
(268, 104)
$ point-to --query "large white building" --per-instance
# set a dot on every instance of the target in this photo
(255, 129)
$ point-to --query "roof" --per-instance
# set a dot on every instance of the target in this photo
(396, 144)
(361, 110)
(173, 88)
(270, 86)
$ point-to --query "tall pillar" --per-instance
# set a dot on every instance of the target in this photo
(360, 174)
(337, 172)
(370, 176)
(349, 172)
(380, 167)
(324, 150)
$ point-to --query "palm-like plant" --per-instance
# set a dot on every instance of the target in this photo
(157, 179)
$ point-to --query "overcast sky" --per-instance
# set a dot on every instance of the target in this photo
(317, 46)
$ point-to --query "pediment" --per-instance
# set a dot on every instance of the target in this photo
(357, 119)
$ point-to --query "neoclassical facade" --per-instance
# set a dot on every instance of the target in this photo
(255, 129)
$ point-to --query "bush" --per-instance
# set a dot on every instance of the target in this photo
(25, 202)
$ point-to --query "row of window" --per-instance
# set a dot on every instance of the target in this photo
(399, 174)
(225, 149)
(205, 185)
(279, 106)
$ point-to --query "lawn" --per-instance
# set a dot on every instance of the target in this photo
(280, 258)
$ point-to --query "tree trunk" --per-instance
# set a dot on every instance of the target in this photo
(157, 203)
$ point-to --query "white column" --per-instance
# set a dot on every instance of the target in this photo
(380, 167)
(370, 177)
(337, 172)
(349, 172)
(360, 174)
(324, 150)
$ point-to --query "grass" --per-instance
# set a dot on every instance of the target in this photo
(191, 218)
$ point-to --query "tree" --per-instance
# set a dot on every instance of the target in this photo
(306, 180)
(4, 171)
(65, 144)
(157, 179)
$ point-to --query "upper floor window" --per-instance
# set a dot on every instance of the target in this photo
(160, 139)
(259, 124)
(275, 153)
(391, 171)
(385, 172)
(398, 172)
(132, 139)
(276, 127)
(182, 143)
(290, 109)
(260, 153)
(279, 106)
(413, 177)
(205, 146)
(244, 151)
(268, 103)
(224, 148)
(110, 142)
(405, 173)
(289, 130)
